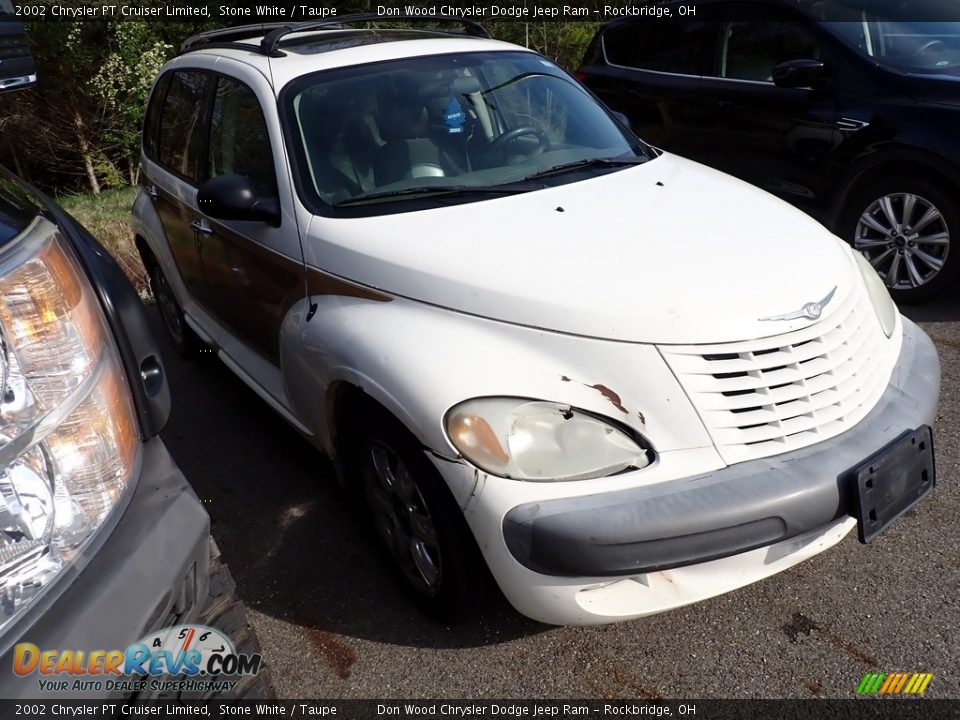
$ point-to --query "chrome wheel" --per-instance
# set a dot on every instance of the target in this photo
(905, 237)
(402, 517)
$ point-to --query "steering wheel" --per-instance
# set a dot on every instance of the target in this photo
(504, 139)
(929, 45)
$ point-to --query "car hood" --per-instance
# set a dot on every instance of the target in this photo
(666, 252)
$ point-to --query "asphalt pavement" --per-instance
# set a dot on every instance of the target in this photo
(333, 624)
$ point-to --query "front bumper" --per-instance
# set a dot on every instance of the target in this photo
(742, 507)
(633, 552)
(149, 572)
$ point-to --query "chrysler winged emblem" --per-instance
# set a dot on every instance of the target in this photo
(812, 310)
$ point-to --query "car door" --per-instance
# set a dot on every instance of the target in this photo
(253, 271)
(181, 101)
(652, 75)
(778, 138)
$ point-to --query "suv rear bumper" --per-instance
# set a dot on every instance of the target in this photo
(742, 507)
(150, 572)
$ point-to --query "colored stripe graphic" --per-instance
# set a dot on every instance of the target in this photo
(894, 683)
(870, 683)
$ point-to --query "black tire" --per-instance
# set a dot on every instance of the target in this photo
(909, 247)
(184, 339)
(224, 611)
(459, 587)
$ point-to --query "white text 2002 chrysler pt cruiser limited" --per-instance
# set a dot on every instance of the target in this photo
(624, 381)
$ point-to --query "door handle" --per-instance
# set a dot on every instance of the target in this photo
(151, 192)
(201, 227)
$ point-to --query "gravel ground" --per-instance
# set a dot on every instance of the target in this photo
(332, 624)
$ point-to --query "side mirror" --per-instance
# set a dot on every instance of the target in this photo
(232, 197)
(803, 73)
(18, 69)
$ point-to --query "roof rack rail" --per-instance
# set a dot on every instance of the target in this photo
(229, 36)
(271, 41)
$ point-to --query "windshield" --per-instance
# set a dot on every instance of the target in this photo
(919, 36)
(473, 124)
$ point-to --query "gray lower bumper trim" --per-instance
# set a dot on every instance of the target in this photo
(739, 508)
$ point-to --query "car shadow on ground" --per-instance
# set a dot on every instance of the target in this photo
(944, 309)
(300, 548)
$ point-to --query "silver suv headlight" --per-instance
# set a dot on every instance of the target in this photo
(534, 440)
(69, 442)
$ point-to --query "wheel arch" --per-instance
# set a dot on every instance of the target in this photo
(894, 162)
(348, 405)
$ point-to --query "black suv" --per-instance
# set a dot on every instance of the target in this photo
(846, 108)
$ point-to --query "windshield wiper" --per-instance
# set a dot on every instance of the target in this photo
(431, 191)
(588, 163)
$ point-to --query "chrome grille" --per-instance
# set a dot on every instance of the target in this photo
(764, 397)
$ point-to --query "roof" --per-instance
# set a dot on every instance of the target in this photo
(308, 51)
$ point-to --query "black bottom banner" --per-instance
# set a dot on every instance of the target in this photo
(487, 709)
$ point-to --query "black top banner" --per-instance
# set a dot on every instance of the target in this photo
(251, 11)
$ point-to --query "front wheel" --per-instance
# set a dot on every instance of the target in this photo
(908, 228)
(420, 526)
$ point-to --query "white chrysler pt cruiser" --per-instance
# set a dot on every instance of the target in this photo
(615, 379)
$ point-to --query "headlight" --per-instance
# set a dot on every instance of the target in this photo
(68, 435)
(879, 295)
(530, 440)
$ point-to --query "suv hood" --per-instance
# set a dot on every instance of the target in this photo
(666, 252)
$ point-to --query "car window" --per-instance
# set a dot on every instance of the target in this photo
(749, 50)
(479, 120)
(181, 123)
(919, 36)
(673, 47)
(239, 141)
(151, 120)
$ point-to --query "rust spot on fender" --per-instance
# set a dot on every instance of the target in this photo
(611, 396)
(564, 378)
(641, 417)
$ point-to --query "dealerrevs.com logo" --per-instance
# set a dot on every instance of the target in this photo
(186, 658)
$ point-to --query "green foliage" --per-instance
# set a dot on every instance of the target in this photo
(80, 126)
(106, 216)
(79, 129)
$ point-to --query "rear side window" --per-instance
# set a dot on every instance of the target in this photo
(181, 123)
(750, 50)
(151, 121)
(239, 141)
(663, 46)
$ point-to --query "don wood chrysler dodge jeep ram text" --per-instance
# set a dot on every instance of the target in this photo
(533, 342)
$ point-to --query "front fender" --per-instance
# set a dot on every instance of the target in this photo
(418, 361)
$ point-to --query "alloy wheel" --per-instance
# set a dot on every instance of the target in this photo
(402, 517)
(905, 237)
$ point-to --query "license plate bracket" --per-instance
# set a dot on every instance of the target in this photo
(892, 481)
